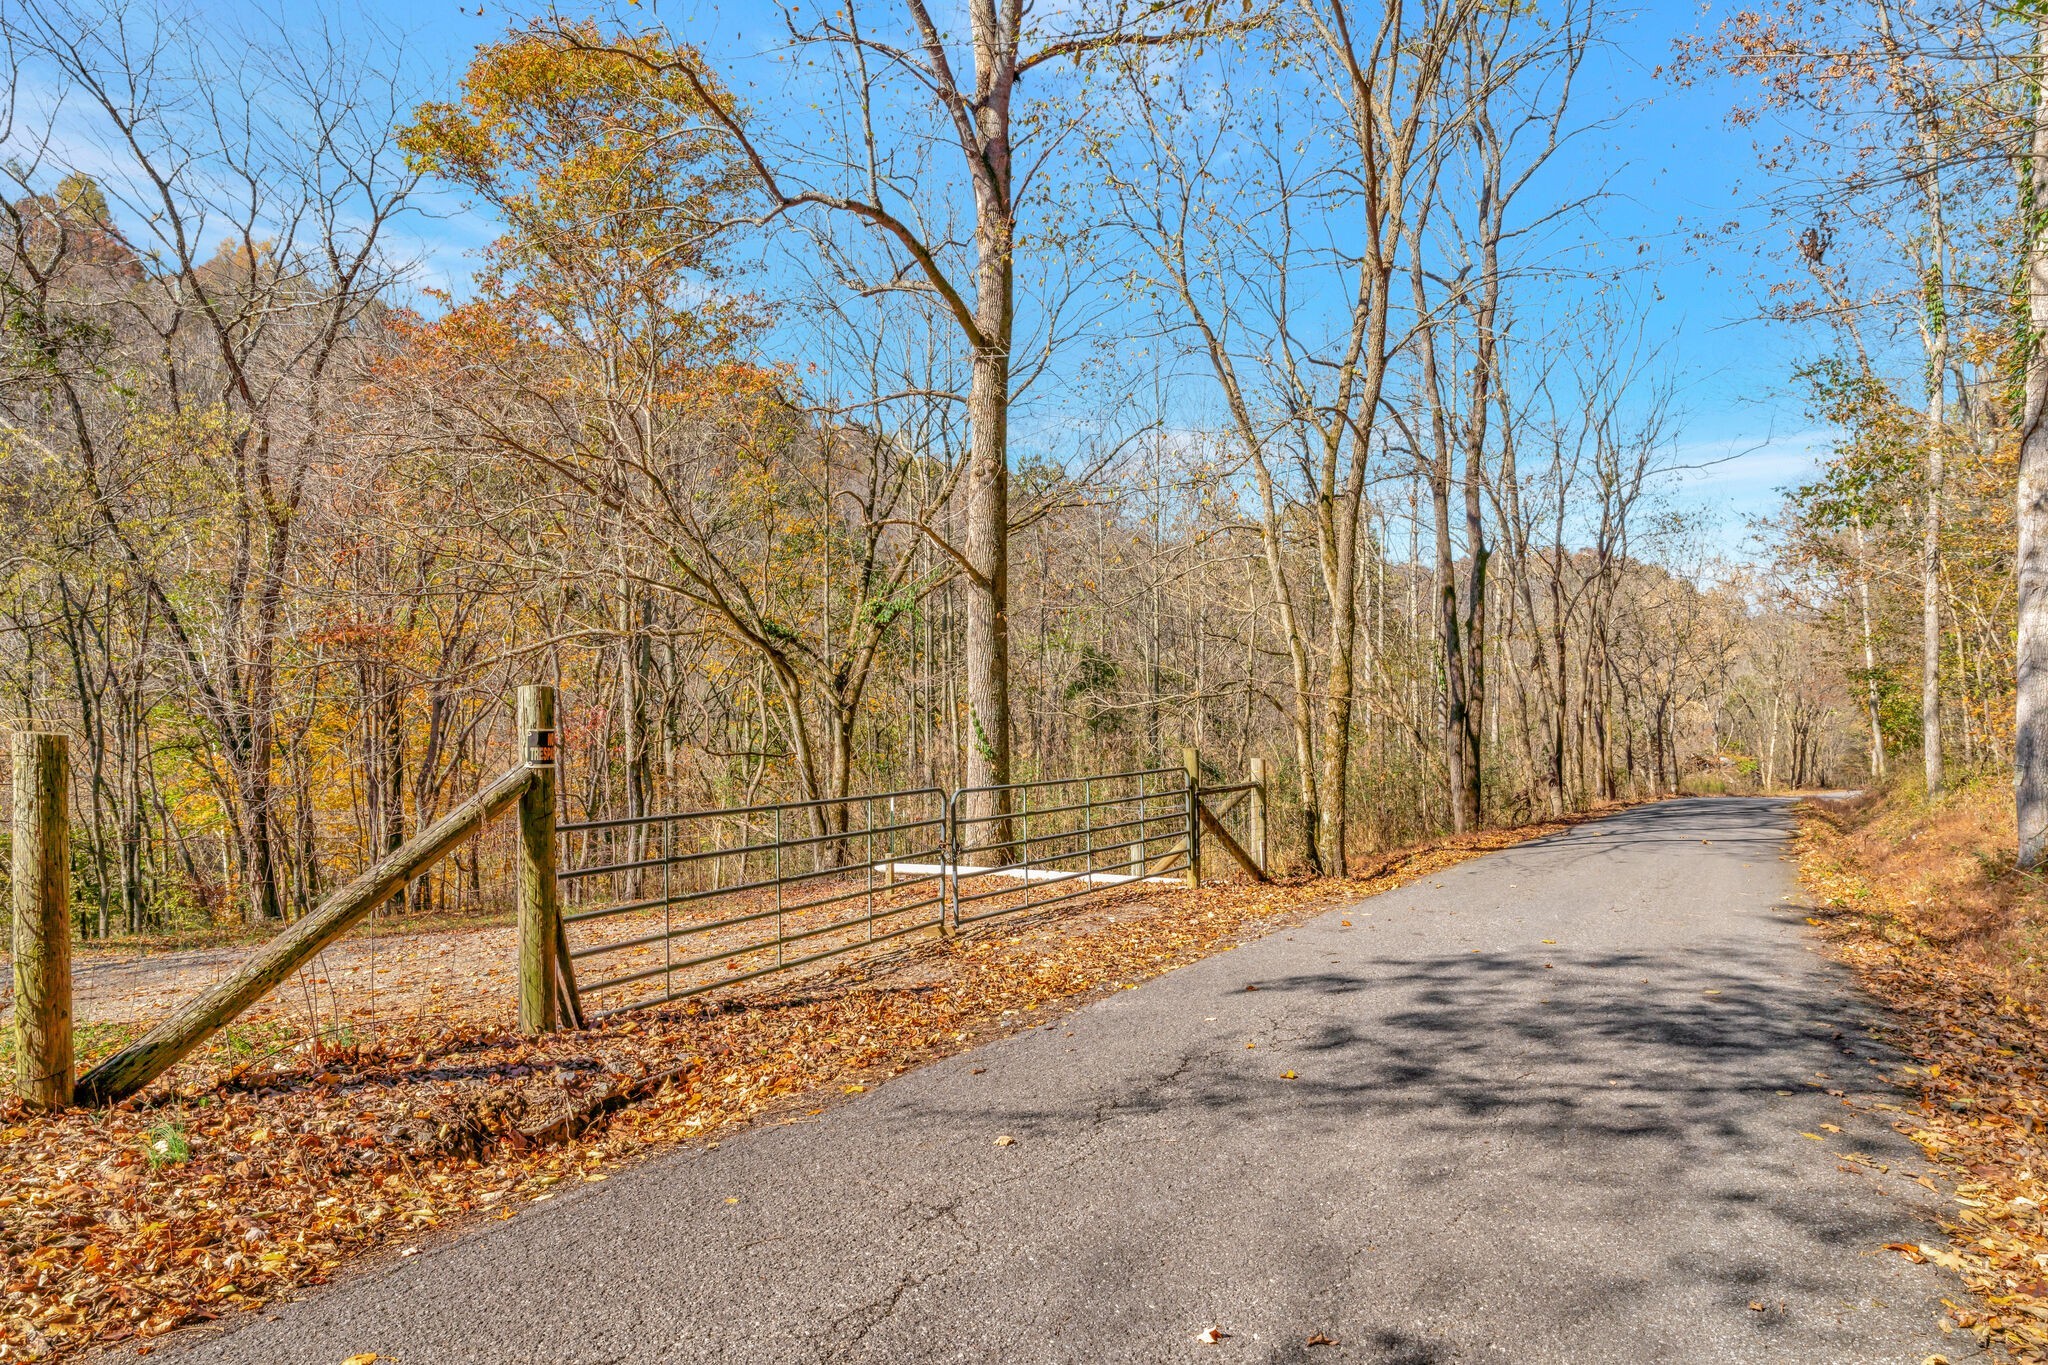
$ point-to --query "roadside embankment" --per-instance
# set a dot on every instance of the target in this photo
(1921, 899)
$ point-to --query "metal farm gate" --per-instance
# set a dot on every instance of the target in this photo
(1086, 833)
(654, 908)
(661, 907)
(673, 905)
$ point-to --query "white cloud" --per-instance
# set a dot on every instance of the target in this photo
(1749, 467)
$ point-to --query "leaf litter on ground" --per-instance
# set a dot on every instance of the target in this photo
(1916, 899)
(236, 1180)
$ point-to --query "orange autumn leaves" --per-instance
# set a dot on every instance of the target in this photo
(601, 159)
(222, 1189)
(614, 189)
(1938, 932)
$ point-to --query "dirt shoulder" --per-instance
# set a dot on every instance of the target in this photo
(1920, 900)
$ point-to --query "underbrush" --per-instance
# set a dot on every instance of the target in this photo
(1918, 896)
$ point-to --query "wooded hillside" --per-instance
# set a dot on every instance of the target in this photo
(1240, 379)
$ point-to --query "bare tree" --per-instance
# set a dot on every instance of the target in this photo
(897, 60)
(260, 186)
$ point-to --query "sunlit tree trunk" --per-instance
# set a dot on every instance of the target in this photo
(1870, 694)
(988, 416)
(2030, 733)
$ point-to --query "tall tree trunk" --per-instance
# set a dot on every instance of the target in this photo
(1870, 693)
(1930, 600)
(390, 770)
(2030, 730)
(988, 595)
(1450, 629)
(1479, 403)
(259, 843)
(1340, 682)
(995, 39)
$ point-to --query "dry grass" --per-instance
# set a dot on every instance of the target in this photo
(1938, 875)
(1920, 899)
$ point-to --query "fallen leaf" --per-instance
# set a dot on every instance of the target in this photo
(1320, 1340)
(366, 1358)
(1287, 1075)
(434, 1138)
(1006, 1141)
(1211, 1335)
(1923, 904)
(1944, 1258)
(1756, 1305)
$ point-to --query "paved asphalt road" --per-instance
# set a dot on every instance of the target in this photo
(1498, 1149)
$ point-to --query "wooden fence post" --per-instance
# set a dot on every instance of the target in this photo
(539, 907)
(42, 920)
(1257, 816)
(1192, 761)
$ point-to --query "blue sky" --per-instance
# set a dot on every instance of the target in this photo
(1679, 176)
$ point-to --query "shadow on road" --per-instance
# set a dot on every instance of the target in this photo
(1672, 1080)
(1576, 1050)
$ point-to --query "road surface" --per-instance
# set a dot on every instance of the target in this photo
(1496, 1147)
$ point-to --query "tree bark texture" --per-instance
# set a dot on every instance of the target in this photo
(2030, 733)
(42, 920)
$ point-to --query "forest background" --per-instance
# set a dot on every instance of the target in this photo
(845, 400)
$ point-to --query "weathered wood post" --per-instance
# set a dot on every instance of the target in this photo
(1192, 761)
(42, 920)
(149, 1056)
(1257, 816)
(539, 908)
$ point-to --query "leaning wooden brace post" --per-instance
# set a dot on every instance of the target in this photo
(142, 1061)
(1192, 761)
(42, 921)
(1257, 816)
(1229, 845)
(539, 905)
